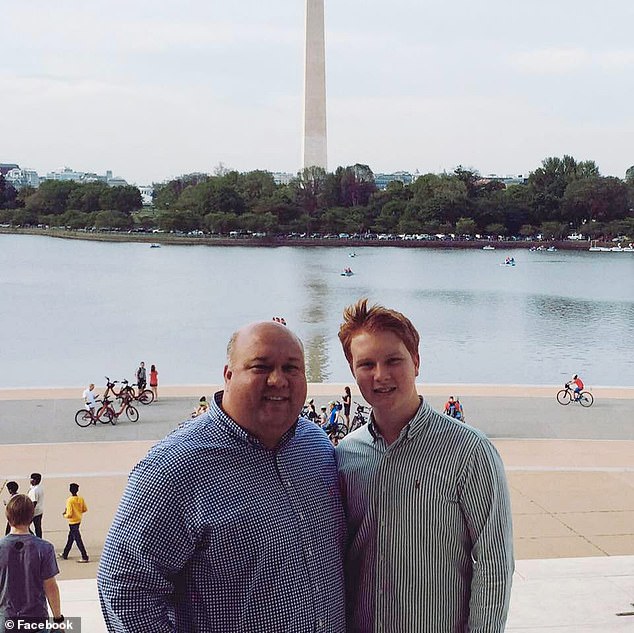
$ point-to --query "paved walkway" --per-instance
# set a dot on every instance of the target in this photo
(573, 509)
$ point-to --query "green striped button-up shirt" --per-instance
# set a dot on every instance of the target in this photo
(430, 545)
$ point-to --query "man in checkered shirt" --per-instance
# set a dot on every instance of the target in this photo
(234, 521)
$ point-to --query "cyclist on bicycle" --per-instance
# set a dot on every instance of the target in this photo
(311, 411)
(576, 384)
(453, 408)
(89, 398)
(332, 426)
(331, 418)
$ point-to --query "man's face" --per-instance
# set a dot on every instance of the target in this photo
(265, 381)
(384, 370)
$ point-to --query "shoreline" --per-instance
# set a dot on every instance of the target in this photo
(328, 389)
(275, 242)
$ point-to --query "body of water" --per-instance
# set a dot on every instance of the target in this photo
(73, 311)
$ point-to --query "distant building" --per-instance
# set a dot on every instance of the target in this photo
(20, 178)
(505, 180)
(5, 168)
(147, 192)
(283, 178)
(383, 180)
(84, 177)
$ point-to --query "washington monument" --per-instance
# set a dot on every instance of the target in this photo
(315, 152)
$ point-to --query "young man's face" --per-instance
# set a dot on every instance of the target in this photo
(384, 370)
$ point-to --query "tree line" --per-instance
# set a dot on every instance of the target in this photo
(561, 196)
(70, 204)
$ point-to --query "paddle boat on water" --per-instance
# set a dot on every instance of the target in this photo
(612, 249)
(155, 246)
(488, 247)
(623, 249)
(509, 261)
(347, 272)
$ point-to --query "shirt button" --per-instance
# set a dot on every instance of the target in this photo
(301, 516)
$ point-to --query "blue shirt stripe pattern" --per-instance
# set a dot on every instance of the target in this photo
(430, 530)
(215, 532)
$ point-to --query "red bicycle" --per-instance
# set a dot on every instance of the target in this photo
(145, 396)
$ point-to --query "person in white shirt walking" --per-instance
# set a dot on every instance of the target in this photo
(36, 495)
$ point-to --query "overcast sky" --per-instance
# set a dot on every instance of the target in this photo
(155, 89)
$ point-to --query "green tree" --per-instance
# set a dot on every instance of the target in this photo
(553, 230)
(51, 197)
(8, 194)
(308, 189)
(496, 229)
(548, 183)
(126, 199)
(469, 178)
(441, 197)
(356, 185)
(87, 197)
(221, 223)
(217, 194)
(595, 198)
(180, 221)
(113, 220)
(24, 217)
(164, 195)
(73, 219)
(527, 230)
(255, 187)
(466, 226)
(389, 217)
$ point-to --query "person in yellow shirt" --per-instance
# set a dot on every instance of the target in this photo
(75, 508)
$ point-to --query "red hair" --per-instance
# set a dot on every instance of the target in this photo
(359, 317)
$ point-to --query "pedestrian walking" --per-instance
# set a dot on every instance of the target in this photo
(154, 381)
(75, 508)
(27, 571)
(12, 488)
(36, 495)
(141, 377)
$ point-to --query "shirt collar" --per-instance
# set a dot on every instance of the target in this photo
(415, 426)
(231, 426)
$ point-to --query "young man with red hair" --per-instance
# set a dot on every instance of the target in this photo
(427, 504)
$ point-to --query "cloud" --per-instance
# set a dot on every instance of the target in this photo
(559, 61)
(617, 60)
(91, 32)
(494, 134)
(551, 61)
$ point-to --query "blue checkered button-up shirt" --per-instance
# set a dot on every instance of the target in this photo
(217, 533)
